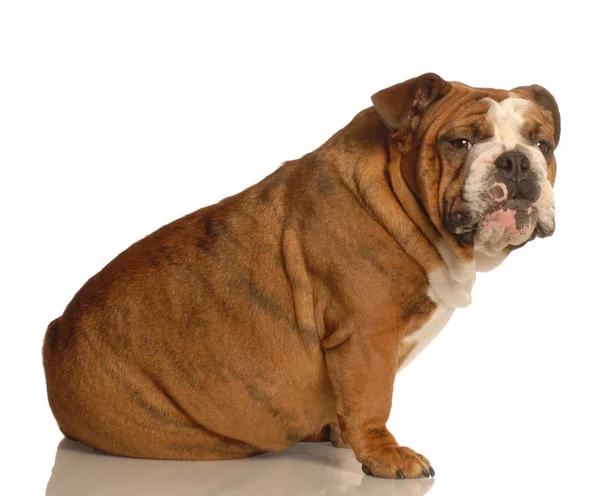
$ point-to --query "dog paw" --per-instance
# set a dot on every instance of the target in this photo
(396, 462)
(335, 436)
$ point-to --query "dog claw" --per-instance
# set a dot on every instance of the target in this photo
(432, 472)
(425, 473)
(366, 470)
(400, 475)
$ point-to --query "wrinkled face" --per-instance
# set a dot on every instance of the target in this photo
(502, 151)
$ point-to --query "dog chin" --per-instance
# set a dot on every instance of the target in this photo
(494, 248)
(511, 223)
(509, 227)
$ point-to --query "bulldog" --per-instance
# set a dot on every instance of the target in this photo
(283, 313)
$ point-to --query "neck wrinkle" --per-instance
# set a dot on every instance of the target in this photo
(413, 207)
(370, 169)
(369, 173)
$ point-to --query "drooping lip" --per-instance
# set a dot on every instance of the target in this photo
(466, 227)
(510, 222)
(516, 204)
(467, 238)
(512, 204)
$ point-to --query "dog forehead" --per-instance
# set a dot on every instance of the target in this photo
(511, 108)
(507, 116)
(463, 102)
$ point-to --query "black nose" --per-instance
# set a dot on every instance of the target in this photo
(514, 164)
(512, 168)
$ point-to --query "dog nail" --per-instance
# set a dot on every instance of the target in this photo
(366, 470)
(432, 472)
(400, 474)
(425, 473)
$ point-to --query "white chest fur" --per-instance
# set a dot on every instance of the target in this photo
(419, 339)
(449, 288)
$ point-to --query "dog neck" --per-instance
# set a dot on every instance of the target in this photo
(370, 169)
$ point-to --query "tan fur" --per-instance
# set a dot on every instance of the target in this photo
(276, 315)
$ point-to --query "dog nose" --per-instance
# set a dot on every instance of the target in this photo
(514, 164)
(513, 170)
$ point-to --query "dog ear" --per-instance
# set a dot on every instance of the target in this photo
(401, 106)
(544, 99)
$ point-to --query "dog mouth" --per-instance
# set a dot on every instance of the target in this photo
(511, 222)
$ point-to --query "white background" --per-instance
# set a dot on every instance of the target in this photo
(117, 117)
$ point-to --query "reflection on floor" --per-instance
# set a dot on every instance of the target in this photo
(315, 468)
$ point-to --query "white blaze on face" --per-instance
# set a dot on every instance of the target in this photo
(481, 192)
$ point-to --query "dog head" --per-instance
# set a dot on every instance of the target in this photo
(481, 161)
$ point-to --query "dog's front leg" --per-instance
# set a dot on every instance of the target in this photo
(362, 365)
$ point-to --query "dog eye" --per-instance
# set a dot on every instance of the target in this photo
(544, 146)
(461, 144)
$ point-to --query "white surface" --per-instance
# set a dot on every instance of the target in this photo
(304, 469)
(117, 117)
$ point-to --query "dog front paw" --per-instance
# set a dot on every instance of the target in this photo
(396, 462)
